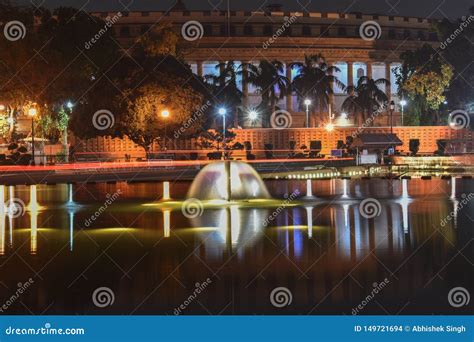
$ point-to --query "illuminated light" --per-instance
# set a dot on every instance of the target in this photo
(309, 190)
(222, 111)
(253, 115)
(329, 127)
(166, 223)
(2, 107)
(32, 111)
(69, 105)
(403, 102)
(165, 113)
(307, 102)
(166, 191)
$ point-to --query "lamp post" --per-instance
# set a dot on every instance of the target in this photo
(32, 112)
(403, 103)
(392, 107)
(307, 102)
(223, 111)
(165, 114)
(69, 105)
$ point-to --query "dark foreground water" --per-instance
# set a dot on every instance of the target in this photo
(326, 255)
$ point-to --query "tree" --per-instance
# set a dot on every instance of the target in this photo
(365, 98)
(459, 53)
(140, 117)
(314, 81)
(225, 90)
(424, 78)
(268, 78)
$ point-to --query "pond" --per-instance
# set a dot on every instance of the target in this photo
(63, 244)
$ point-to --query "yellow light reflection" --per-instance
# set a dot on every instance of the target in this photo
(166, 191)
(166, 222)
(2, 219)
(34, 209)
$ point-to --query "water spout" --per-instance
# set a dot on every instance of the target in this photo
(228, 181)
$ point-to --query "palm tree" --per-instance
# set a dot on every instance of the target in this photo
(365, 98)
(225, 89)
(268, 78)
(315, 81)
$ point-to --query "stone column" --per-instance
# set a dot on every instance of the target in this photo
(350, 69)
(199, 68)
(289, 99)
(388, 87)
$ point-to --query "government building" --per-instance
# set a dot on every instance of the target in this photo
(343, 39)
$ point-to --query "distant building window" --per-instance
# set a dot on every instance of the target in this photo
(222, 13)
(144, 29)
(247, 14)
(223, 30)
(206, 13)
(359, 15)
(324, 31)
(145, 14)
(248, 30)
(104, 14)
(324, 15)
(421, 35)
(433, 36)
(208, 30)
(406, 19)
(186, 13)
(125, 31)
(125, 14)
(406, 34)
(392, 34)
(420, 20)
(268, 30)
(342, 15)
(233, 13)
(306, 30)
(342, 32)
(375, 17)
(391, 18)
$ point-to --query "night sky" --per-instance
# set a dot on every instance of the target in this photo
(418, 8)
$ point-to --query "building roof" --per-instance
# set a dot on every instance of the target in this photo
(376, 140)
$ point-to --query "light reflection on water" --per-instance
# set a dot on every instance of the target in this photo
(324, 249)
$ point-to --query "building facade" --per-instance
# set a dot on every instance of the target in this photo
(358, 44)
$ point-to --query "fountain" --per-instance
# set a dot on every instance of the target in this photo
(228, 181)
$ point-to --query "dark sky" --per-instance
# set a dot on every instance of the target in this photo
(418, 8)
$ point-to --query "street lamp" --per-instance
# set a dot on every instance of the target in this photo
(307, 102)
(223, 112)
(69, 105)
(253, 115)
(165, 114)
(392, 108)
(32, 113)
(2, 107)
(403, 104)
